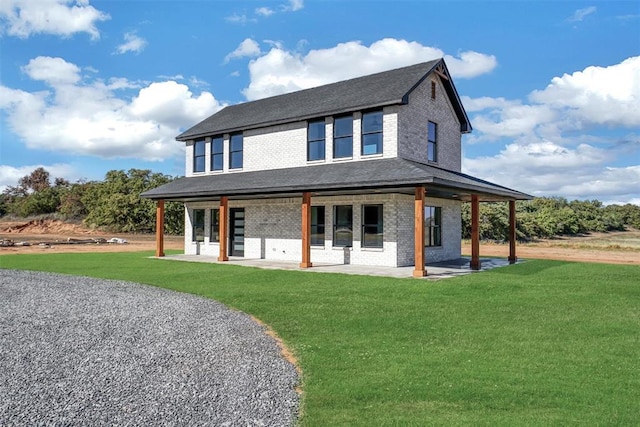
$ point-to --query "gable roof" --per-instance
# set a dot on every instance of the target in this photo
(372, 91)
(380, 175)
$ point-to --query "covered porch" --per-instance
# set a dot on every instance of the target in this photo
(411, 180)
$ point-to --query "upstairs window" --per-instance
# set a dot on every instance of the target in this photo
(198, 225)
(343, 226)
(343, 137)
(199, 155)
(433, 89)
(214, 233)
(432, 226)
(315, 140)
(372, 133)
(317, 225)
(235, 151)
(372, 226)
(217, 149)
(432, 144)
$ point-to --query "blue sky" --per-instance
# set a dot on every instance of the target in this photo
(552, 88)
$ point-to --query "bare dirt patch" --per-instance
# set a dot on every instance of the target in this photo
(611, 248)
(48, 235)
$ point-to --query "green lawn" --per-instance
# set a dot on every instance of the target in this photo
(539, 343)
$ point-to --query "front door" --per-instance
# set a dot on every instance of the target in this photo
(236, 237)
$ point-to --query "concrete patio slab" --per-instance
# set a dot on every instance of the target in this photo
(435, 271)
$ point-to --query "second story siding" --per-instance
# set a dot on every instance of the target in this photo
(413, 120)
(285, 146)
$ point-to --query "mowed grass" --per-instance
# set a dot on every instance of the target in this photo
(537, 343)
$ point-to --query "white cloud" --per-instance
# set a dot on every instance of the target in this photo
(24, 18)
(264, 11)
(132, 43)
(10, 175)
(597, 95)
(544, 168)
(247, 48)
(239, 19)
(280, 71)
(594, 97)
(564, 139)
(89, 118)
(53, 71)
(293, 6)
(580, 14)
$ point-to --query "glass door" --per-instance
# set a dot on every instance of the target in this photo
(236, 237)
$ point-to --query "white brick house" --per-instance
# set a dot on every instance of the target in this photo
(364, 171)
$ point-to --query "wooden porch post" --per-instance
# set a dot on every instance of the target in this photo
(224, 228)
(475, 233)
(512, 232)
(160, 228)
(306, 230)
(419, 268)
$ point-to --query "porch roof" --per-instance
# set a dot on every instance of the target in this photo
(362, 177)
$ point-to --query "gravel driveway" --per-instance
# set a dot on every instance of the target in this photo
(80, 351)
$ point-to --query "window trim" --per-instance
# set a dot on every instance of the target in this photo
(379, 225)
(215, 154)
(363, 133)
(214, 225)
(433, 143)
(233, 152)
(194, 226)
(430, 227)
(317, 225)
(335, 226)
(203, 156)
(342, 137)
(323, 140)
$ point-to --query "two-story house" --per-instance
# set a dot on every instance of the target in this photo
(364, 171)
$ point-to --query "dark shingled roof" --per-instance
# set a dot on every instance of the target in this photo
(394, 174)
(372, 91)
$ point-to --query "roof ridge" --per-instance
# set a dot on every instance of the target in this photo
(368, 91)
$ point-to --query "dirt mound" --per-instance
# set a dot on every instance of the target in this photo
(44, 226)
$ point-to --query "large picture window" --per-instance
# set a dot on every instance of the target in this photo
(343, 137)
(199, 155)
(198, 225)
(432, 226)
(432, 147)
(317, 225)
(217, 150)
(235, 151)
(372, 226)
(342, 226)
(316, 140)
(214, 233)
(372, 133)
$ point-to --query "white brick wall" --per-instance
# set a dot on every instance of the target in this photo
(412, 122)
(285, 146)
(272, 230)
(275, 147)
(451, 231)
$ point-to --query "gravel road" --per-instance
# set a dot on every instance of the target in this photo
(81, 351)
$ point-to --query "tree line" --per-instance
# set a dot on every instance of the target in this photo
(546, 217)
(114, 204)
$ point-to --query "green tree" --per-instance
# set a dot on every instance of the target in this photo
(115, 203)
